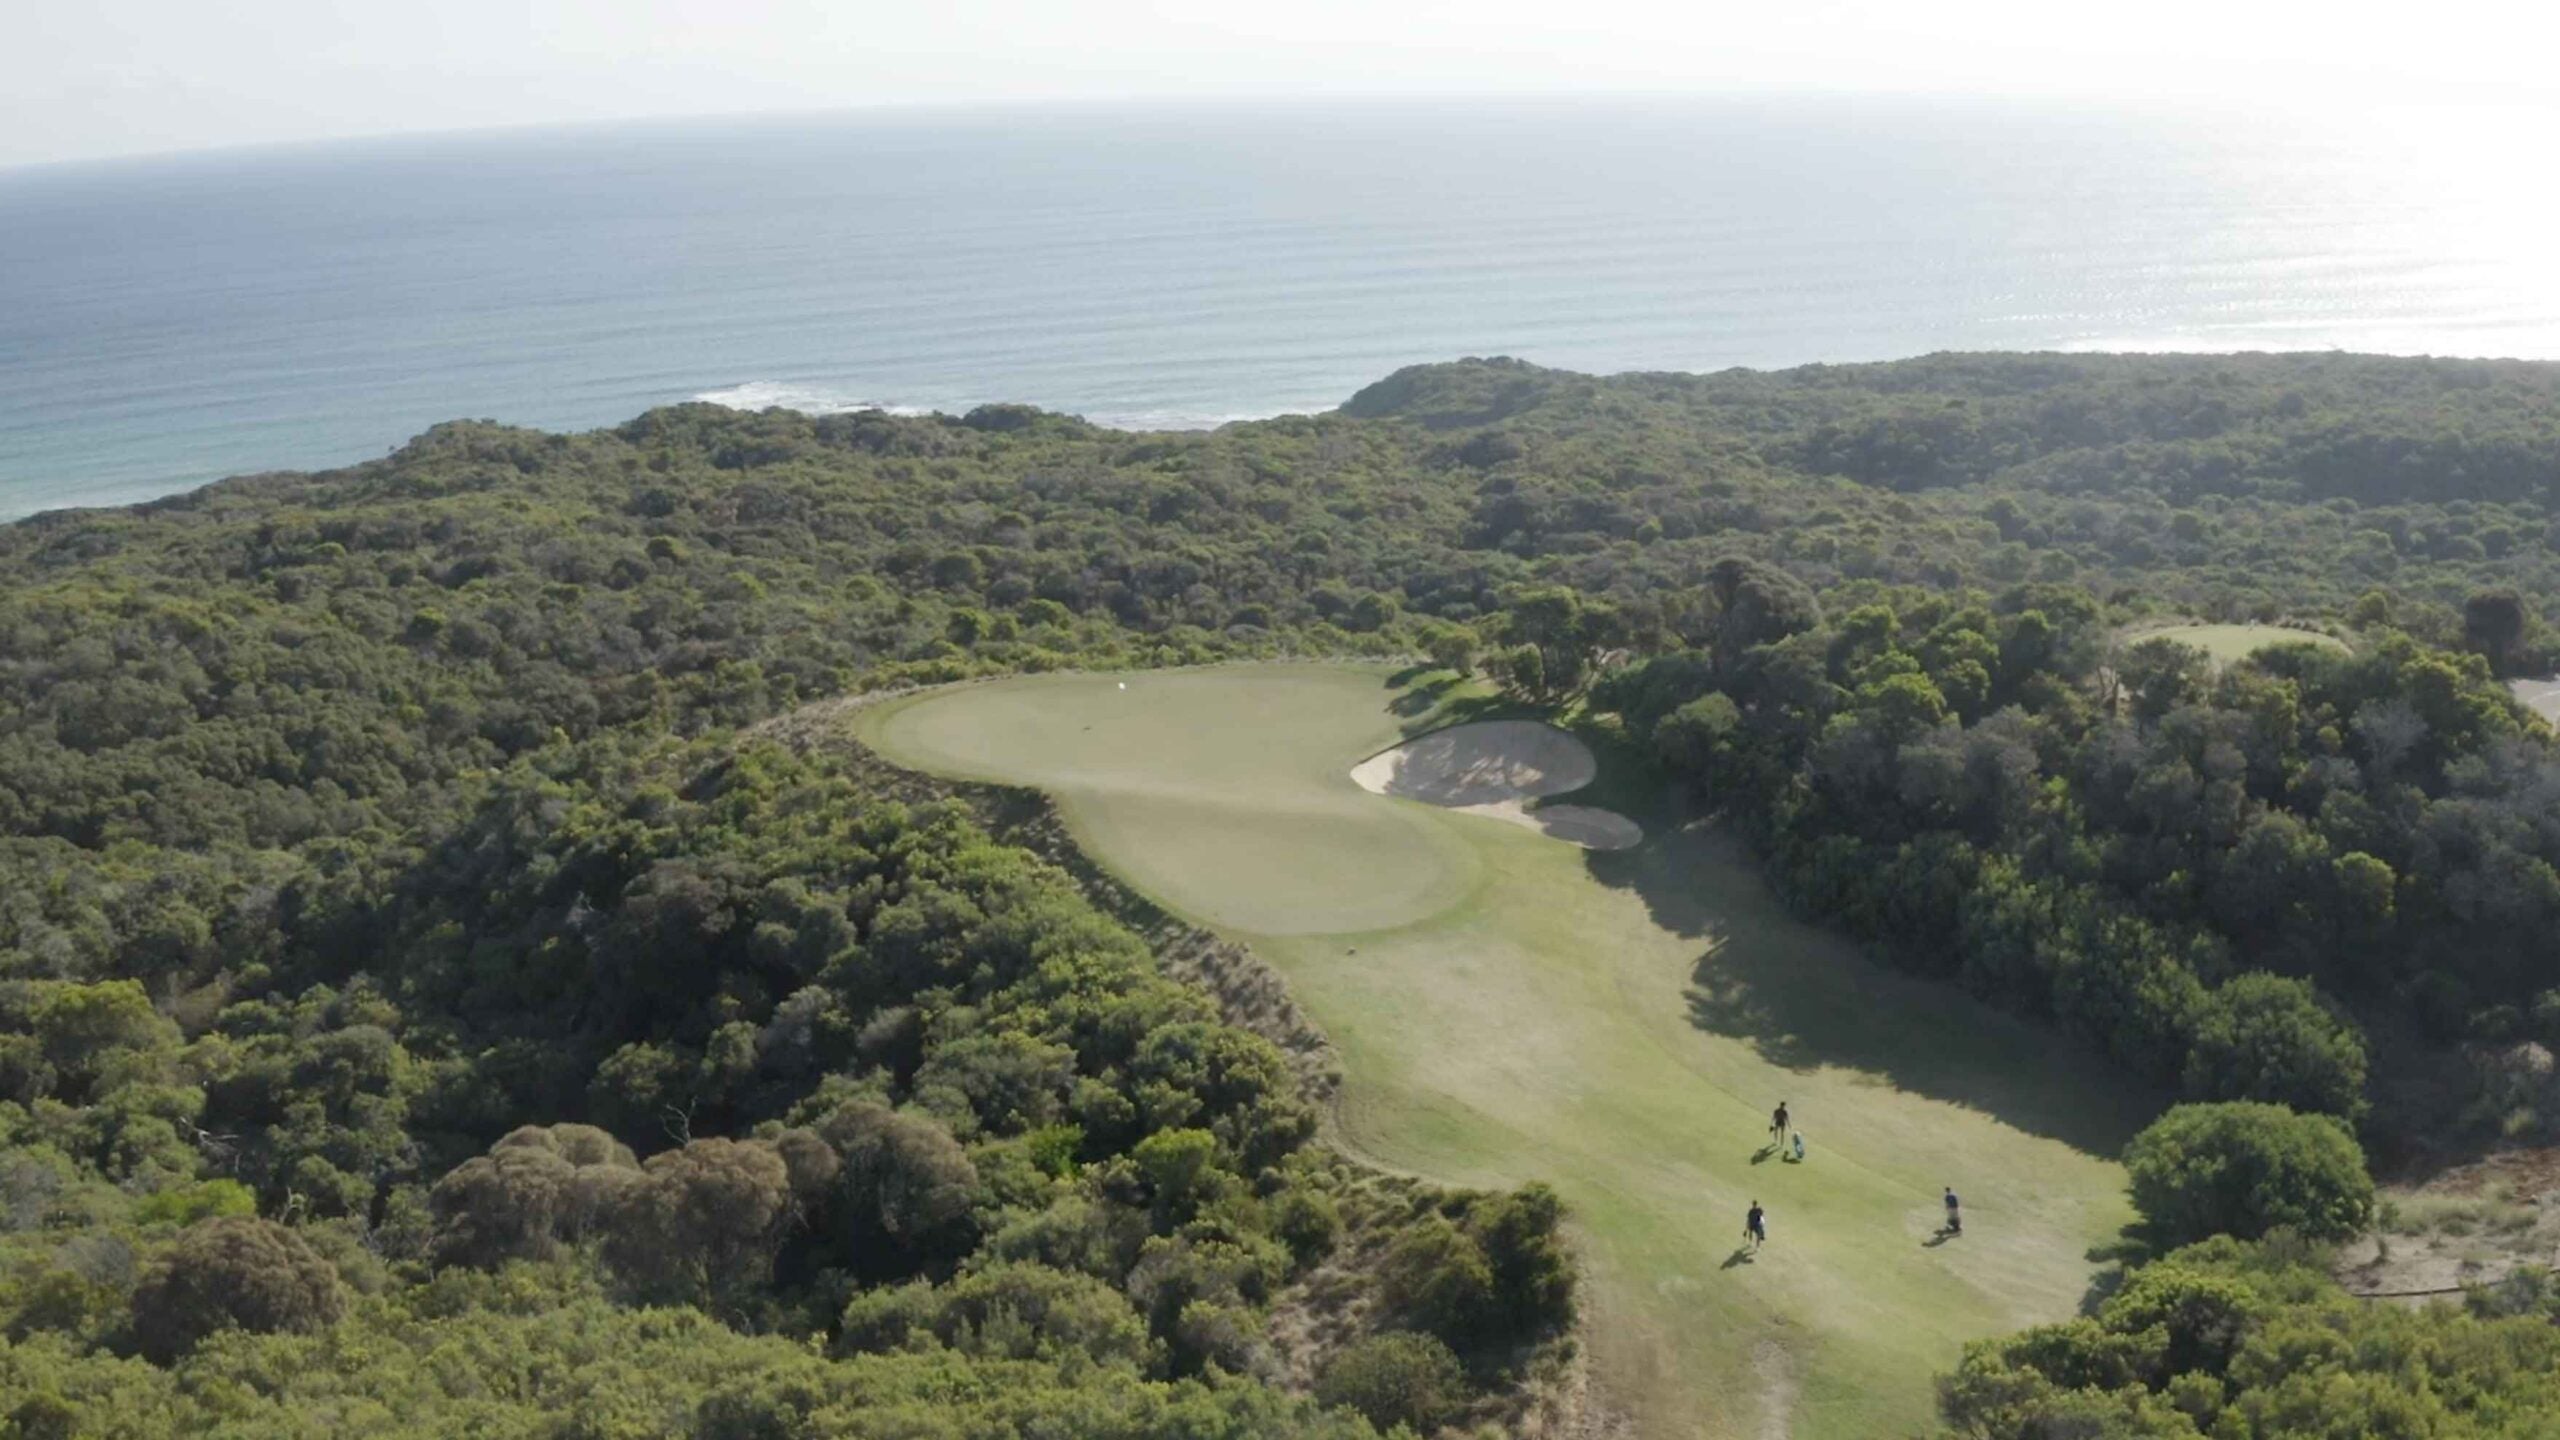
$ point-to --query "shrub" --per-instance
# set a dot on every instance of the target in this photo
(1697, 738)
(2228, 1338)
(535, 1189)
(905, 1196)
(1452, 647)
(232, 1271)
(2200, 1314)
(1226, 1335)
(1398, 1378)
(1200, 1294)
(1182, 1173)
(2243, 1168)
(1308, 1222)
(2267, 1037)
(1435, 1277)
(1532, 1272)
(705, 1219)
(1009, 1309)
(1232, 1083)
(202, 1200)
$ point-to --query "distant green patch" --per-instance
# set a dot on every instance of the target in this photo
(2229, 643)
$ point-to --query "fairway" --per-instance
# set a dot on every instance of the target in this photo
(2228, 643)
(1511, 1007)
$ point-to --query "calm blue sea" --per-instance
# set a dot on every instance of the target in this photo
(166, 322)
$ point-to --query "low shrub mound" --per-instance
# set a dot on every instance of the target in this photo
(232, 1272)
(2245, 1168)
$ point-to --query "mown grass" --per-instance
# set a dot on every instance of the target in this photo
(2230, 643)
(1510, 1008)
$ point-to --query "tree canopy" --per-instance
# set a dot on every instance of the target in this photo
(2244, 1168)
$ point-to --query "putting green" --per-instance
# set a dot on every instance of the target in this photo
(1509, 1007)
(2227, 643)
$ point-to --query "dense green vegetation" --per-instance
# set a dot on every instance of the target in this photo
(2254, 1341)
(404, 947)
(904, 1086)
(2189, 866)
(2243, 1168)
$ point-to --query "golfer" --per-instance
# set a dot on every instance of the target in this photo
(1755, 1226)
(1778, 1123)
(1955, 1216)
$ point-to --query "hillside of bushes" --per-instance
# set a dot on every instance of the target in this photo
(429, 1002)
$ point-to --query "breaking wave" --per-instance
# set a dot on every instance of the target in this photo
(807, 399)
(811, 399)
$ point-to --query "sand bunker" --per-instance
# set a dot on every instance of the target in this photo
(2542, 697)
(1496, 768)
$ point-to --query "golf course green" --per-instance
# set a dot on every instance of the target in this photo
(2230, 643)
(1510, 1007)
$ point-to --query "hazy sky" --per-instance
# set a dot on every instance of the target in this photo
(83, 78)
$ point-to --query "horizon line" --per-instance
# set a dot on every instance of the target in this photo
(2197, 108)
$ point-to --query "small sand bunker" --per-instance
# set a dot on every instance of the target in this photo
(2542, 697)
(1496, 768)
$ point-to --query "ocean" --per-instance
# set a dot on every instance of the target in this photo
(165, 322)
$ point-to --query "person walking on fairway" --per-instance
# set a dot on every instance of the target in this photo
(1778, 1123)
(1755, 1225)
(1955, 1217)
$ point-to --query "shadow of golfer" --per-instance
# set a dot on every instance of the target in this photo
(1942, 1237)
(1742, 1255)
(1761, 1155)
